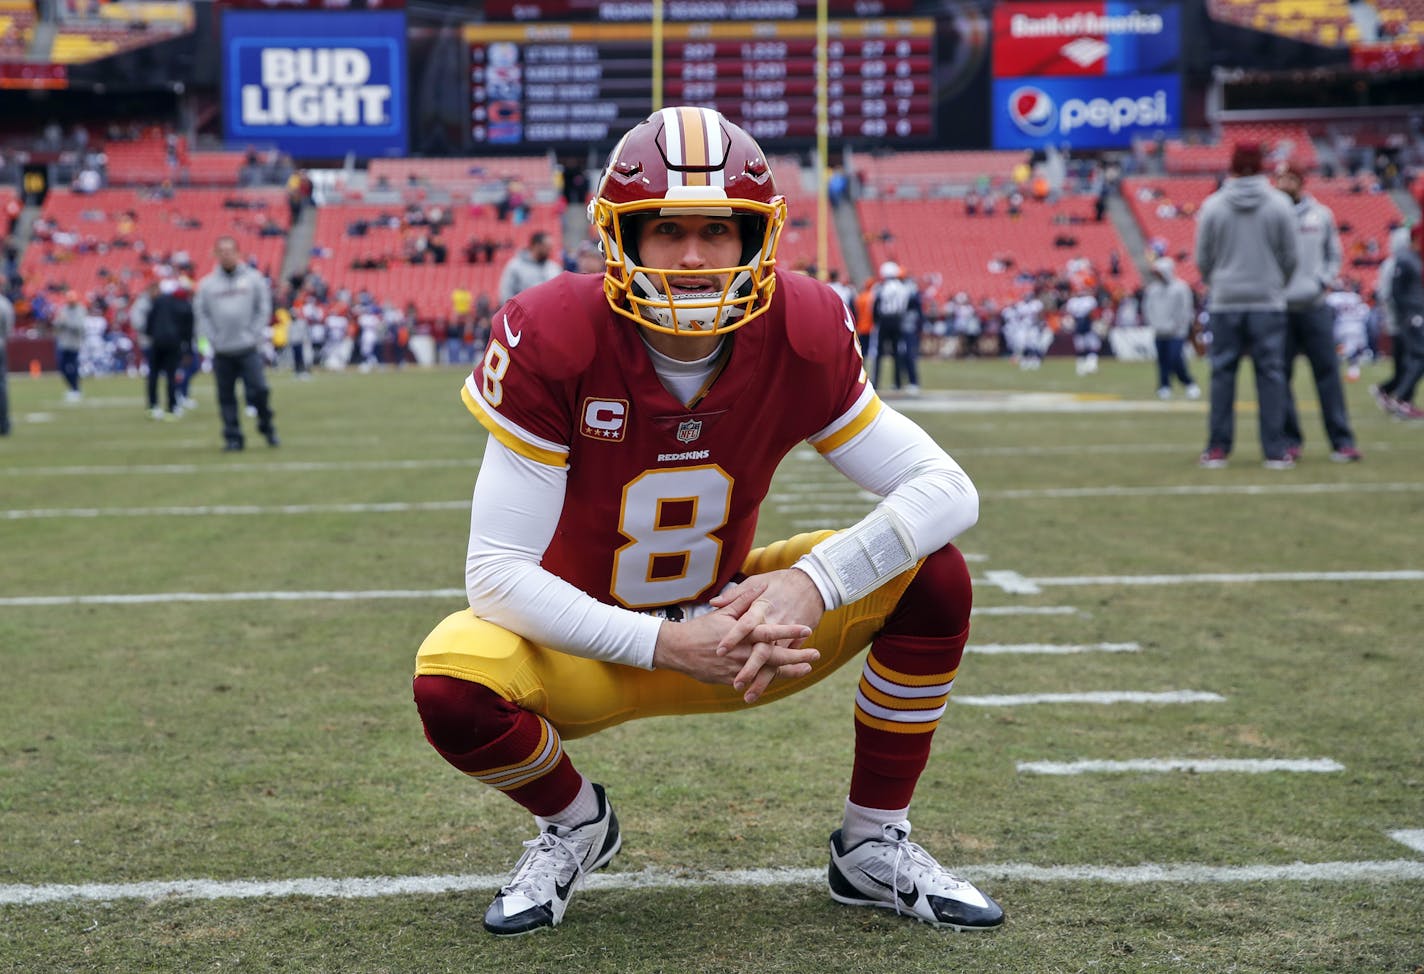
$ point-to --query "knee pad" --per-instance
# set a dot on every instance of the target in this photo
(460, 716)
(937, 601)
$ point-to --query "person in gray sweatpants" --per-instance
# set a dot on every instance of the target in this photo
(1310, 322)
(1246, 251)
(7, 325)
(232, 308)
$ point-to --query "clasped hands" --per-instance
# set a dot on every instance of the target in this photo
(755, 634)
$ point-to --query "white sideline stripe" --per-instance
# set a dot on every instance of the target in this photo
(366, 887)
(1414, 838)
(160, 597)
(852, 505)
(148, 598)
(295, 466)
(1094, 697)
(392, 507)
(1051, 649)
(1194, 765)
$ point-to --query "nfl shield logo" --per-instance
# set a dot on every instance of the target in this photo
(689, 430)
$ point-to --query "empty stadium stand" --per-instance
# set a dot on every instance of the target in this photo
(427, 285)
(17, 28)
(189, 222)
(935, 236)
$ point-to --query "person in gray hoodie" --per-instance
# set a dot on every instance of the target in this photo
(1246, 251)
(1168, 309)
(232, 309)
(1384, 302)
(1310, 322)
(529, 267)
(68, 341)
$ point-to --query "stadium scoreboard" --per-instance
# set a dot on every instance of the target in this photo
(581, 83)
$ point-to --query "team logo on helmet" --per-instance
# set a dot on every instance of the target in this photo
(1032, 110)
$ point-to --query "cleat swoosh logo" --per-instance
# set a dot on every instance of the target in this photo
(562, 890)
(512, 337)
(908, 897)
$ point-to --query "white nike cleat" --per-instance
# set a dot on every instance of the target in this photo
(552, 867)
(894, 873)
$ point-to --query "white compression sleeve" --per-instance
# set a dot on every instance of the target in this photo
(513, 515)
(928, 500)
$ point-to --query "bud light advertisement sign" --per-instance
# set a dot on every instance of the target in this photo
(315, 84)
(1084, 113)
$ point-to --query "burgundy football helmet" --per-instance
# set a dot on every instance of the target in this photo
(688, 162)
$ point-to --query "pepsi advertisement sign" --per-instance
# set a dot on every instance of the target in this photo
(316, 84)
(1084, 113)
(1086, 37)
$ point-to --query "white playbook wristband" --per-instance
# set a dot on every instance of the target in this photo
(865, 556)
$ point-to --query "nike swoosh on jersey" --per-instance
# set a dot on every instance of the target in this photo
(512, 336)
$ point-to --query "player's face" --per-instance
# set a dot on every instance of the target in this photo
(1289, 183)
(693, 246)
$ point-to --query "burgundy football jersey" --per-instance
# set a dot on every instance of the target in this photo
(662, 499)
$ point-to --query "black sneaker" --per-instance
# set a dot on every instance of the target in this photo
(893, 873)
(553, 866)
(232, 446)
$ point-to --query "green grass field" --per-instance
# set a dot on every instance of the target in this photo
(167, 740)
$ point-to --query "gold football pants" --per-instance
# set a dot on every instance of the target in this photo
(582, 696)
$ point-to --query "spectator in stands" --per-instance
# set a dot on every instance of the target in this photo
(68, 340)
(897, 312)
(1246, 251)
(1167, 309)
(7, 328)
(169, 325)
(1310, 321)
(529, 267)
(233, 309)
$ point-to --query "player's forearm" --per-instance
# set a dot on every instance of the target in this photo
(522, 597)
(513, 515)
(928, 501)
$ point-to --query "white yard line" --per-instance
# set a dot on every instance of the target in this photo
(1414, 838)
(1050, 649)
(366, 887)
(1203, 490)
(1192, 765)
(240, 510)
(1031, 585)
(150, 598)
(293, 466)
(1103, 697)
